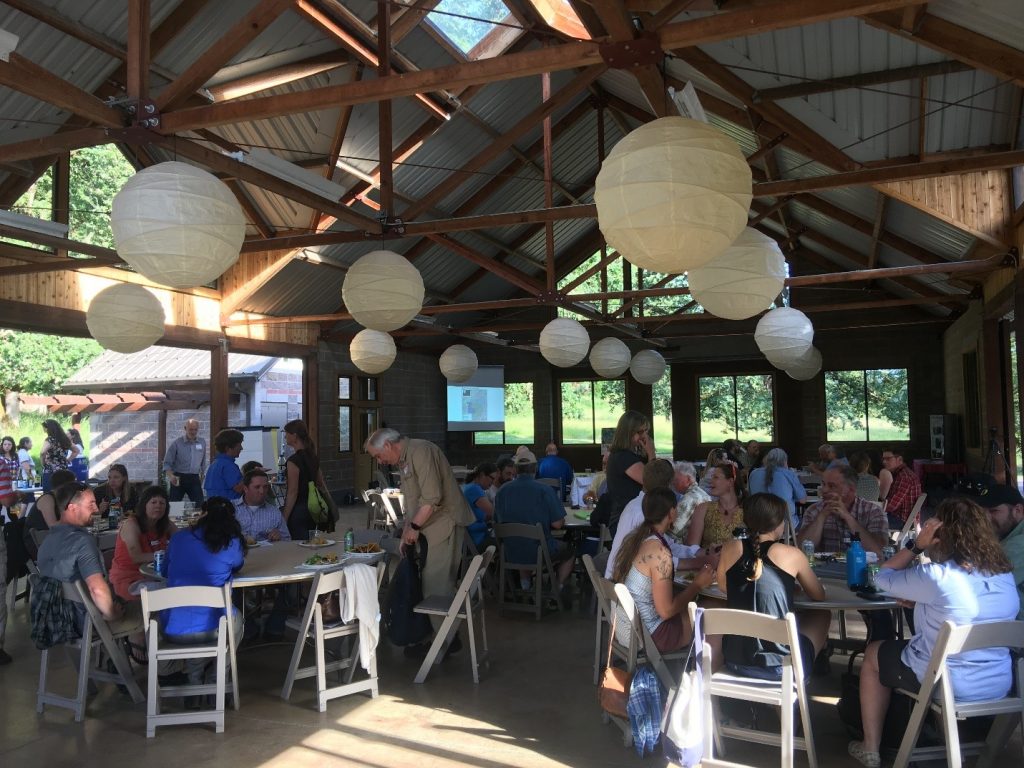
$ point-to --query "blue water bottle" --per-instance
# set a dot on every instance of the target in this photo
(856, 564)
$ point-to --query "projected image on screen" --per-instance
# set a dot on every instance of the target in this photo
(478, 404)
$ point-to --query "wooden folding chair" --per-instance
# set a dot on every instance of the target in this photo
(455, 609)
(936, 694)
(541, 568)
(221, 650)
(784, 693)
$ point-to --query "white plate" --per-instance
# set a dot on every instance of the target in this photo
(327, 543)
(362, 557)
(320, 567)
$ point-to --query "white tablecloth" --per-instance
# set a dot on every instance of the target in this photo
(580, 485)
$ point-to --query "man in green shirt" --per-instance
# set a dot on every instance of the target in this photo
(1006, 509)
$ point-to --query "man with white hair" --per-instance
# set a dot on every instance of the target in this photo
(689, 495)
(435, 509)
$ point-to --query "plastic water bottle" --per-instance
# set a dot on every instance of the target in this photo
(350, 540)
(856, 564)
(808, 548)
(114, 516)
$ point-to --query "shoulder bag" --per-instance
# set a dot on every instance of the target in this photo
(613, 690)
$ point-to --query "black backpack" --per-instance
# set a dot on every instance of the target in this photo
(404, 626)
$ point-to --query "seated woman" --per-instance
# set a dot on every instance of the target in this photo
(867, 484)
(117, 492)
(478, 481)
(713, 522)
(715, 457)
(44, 513)
(775, 477)
(644, 565)
(968, 581)
(145, 531)
(206, 555)
(758, 574)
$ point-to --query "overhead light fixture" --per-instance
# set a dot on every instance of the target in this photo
(8, 42)
(270, 163)
(32, 224)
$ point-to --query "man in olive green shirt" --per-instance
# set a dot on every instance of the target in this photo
(434, 508)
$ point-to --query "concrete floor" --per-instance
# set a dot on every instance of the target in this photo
(535, 706)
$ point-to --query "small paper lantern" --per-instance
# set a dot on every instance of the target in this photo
(372, 351)
(458, 363)
(743, 280)
(673, 194)
(177, 225)
(564, 342)
(610, 357)
(784, 335)
(807, 367)
(383, 291)
(647, 367)
(125, 318)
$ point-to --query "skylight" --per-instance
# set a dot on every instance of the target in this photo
(465, 23)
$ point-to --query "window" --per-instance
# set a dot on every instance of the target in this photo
(662, 395)
(736, 407)
(587, 407)
(466, 24)
(867, 406)
(344, 414)
(518, 418)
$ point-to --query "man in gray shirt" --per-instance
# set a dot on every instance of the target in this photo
(184, 464)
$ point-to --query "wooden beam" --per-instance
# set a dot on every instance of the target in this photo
(410, 19)
(271, 78)
(252, 211)
(723, 26)
(232, 300)
(505, 272)
(73, 29)
(957, 42)
(38, 238)
(137, 60)
(240, 34)
(57, 265)
(876, 230)
(46, 146)
(27, 77)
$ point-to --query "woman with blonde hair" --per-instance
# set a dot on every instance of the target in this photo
(632, 447)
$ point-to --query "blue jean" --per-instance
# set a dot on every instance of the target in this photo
(196, 668)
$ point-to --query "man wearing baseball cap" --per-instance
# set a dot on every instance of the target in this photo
(1006, 510)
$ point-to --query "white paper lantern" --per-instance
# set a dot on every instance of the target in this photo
(125, 318)
(610, 357)
(177, 225)
(458, 363)
(383, 291)
(807, 367)
(673, 195)
(564, 342)
(372, 351)
(784, 335)
(743, 280)
(648, 366)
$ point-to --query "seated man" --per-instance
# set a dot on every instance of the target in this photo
(524, 500)
(904, 490)
(841, 513)
(554, 467)
(1006, 510)
(260, 520)
(689, 495)
(657, 474)
(506, 474)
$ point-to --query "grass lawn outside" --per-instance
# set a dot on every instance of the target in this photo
(31, 425)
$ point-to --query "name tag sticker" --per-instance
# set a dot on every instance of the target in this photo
(199, 447)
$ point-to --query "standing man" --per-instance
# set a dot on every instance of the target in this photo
(842, 513)
(224, 477)
(904, 490)
(184, 464)
(434, 508)
(1006, 510)
(554, 467)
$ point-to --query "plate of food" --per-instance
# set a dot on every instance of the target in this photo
(364, 553)
(326, 560)
(317, 542)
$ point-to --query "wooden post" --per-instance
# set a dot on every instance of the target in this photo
(311, 396)
(218, 390)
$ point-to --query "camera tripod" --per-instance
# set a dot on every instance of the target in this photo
(991, 461)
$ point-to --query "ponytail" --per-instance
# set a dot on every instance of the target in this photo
(751, 559)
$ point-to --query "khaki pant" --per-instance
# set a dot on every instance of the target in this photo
(444, 547)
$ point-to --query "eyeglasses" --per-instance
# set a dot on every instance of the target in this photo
(888, 458)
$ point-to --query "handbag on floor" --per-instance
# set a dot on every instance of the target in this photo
(613, 690)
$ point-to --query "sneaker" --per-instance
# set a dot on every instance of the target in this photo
(862, 756)
(823, 663)
(5, 657)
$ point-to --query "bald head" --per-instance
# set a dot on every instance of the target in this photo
(551, 449)
(192, 429)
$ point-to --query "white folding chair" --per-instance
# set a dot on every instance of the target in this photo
(455, 609)
(311, 627)
(221, 649)
(541, 568)
(97, 644)
(936, 695)
(912, 520)
(604, 595)
(639, 644)
(783, 694)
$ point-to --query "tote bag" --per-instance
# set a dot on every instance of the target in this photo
(683, 730)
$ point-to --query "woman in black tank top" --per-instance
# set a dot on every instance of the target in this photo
(759, 574)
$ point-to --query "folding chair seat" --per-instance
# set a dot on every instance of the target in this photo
(221, 650)
(312, 628)
(455, 609)
(541, 569)
(937, 695)
(784, 693)
(97, 644)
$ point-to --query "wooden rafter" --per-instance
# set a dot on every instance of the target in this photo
(276, 76)
(137, 59)
(23, 75)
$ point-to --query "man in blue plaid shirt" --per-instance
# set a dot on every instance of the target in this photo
(260, 520)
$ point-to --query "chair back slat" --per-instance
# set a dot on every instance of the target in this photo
(730, 621)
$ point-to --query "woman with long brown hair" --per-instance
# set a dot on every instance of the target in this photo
(644, 565)
(57, 451)
(713, 521)
(968, 580)
(303, 467)
(632, 447)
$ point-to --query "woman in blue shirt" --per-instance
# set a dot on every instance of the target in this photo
(475, 491)
(968, 581)
(775, 477)
(224, 478)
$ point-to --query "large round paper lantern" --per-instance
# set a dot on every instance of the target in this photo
(647, 367)
(784, 335)
(564, 342)
(458, 363)
(372, 351)
(125, 318)
(742, 280)
(673, 194)
(807, 367)
(177, 225)
(383, 291)
(610, 357)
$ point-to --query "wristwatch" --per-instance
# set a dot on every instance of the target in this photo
(415, 527)
(912, 546)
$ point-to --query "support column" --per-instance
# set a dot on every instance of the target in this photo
(218, 390)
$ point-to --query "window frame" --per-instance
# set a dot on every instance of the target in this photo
(867, 414)
(504, 433)
(735, 401)
(593, 407)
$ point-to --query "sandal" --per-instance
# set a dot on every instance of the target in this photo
(863, 756)
(137, 653)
